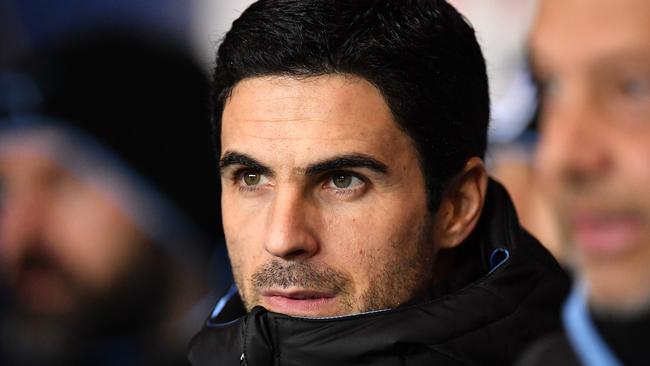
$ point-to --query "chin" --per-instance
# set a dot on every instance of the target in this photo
(615, 299)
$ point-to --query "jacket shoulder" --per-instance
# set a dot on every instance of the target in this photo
(551, 350)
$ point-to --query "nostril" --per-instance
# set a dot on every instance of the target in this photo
(295, 250)
(296, 254)
(583, 167)
(291, 250)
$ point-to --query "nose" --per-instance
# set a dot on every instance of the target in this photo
(574, 140)
(292, 225)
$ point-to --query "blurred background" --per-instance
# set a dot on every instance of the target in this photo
(111, 252)
(110, 248)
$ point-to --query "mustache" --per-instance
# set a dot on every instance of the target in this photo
(38, 259)
(299, 274)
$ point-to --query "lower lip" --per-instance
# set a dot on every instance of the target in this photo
(317, 306)
(606, 237)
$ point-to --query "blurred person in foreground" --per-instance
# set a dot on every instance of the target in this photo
(107, 208)
(592, 61)
(359, 219)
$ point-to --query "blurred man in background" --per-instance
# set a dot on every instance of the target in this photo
(108, 204)
(592, 62)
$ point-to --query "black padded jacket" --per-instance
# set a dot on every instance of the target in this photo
(504, 292)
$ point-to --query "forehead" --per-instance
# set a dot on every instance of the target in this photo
(584, 30)
(309, 117)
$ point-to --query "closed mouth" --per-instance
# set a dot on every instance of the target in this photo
(298, 294)
(300, 302)
(606, 234)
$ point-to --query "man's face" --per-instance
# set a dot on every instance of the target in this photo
(324, 204)
(63, 245)
(593, 61)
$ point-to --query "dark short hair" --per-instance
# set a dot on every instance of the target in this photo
(422, 55)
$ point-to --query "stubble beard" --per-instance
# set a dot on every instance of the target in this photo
(399, 276)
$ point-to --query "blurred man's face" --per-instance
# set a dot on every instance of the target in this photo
(593, 61)
(324, 203)
(63, 245)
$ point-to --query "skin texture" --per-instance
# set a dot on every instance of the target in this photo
(64, 245)
(313, 239)
(593, 62)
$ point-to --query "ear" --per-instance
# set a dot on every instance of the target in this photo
(462, 204)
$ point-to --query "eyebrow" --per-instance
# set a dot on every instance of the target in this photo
(235, 158)
(335, 163)
(347, 161)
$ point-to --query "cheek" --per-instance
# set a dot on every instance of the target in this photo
(362, 242)
(634, 178)
(546, 160)
(351, 234)
(244, 239)
(93, 239)
(634, 157)
(10, 244)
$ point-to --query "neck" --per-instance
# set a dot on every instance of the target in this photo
(625, 334)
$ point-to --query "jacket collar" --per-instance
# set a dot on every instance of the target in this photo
(581, 332)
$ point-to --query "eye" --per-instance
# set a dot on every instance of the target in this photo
(343, 181)
(636, 87)
(250, 179)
